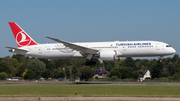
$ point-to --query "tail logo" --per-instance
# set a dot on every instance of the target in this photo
(22, 39)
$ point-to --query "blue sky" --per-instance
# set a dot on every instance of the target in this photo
(91, 20)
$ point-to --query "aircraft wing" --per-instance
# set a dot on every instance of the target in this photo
(82, 49)
(13, 49)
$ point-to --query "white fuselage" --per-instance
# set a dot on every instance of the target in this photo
(122, 48)
(110, 51)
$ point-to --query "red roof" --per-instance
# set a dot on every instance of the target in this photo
(101, 73)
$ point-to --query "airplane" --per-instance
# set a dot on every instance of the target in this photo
(109, 51)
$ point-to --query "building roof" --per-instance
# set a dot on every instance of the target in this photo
(104, 70)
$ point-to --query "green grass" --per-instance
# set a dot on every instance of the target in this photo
(90, 90)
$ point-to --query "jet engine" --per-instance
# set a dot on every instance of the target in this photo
(109, 55)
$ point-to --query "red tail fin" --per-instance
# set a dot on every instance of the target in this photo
(22, 38)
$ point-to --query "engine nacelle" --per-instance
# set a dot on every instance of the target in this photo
(109, 55)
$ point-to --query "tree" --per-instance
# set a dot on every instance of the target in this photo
(109, 67)
(170, 68)
(105, 63)
(114, 78)
(3, 76)
(1, 59)
(120, 63)
(151, 64)
(14, 72)
(12, 62)
(143, 67)
(131, 63)
(143, 62)
(5, 67)
(167, 60)
(46, 74)
(67, 73)
(37, 67)
(175, 58)
(61, 74)
(54, 73)
(177, 66)
(29, 75)
(115, 73)
(62, 63)
(135, 75)
(175, 77)
(86, 73)
(15, 63)
(79, 63)
(22, 68)
(9, 65)
(122, 72)
(126, 72)
(58, 63)
(164, 74)
(74, 71)
(93, 62)
(157, 69)
(24, 73)
(20, 58)
(49, 65)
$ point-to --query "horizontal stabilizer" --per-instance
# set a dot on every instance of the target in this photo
(16, 49)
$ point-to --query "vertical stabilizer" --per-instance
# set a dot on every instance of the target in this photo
(22, 38)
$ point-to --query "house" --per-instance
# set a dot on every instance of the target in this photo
(101, 73)
(145, 73)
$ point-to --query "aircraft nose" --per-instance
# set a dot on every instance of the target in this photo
(173, 50)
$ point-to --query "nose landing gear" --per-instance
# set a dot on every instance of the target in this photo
(160, 58)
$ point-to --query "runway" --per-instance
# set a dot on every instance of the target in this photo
(77, 98)
(88, 83)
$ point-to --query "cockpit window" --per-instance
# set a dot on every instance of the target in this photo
(168, 46)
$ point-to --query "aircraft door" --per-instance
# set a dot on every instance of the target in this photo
(40, 50)
(124, 48)
(163, 48)
(157, 47)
